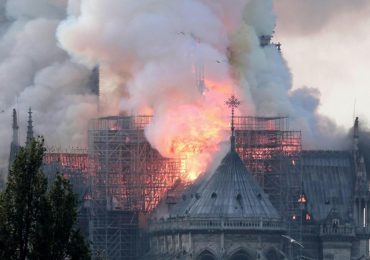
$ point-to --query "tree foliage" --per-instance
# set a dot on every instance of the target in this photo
(37, 223)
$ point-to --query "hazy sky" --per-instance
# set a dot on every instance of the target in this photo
(327, 46)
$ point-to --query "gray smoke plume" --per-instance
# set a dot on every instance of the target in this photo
(148, 48)
(266, 81)
(148, 51)
(35, 72)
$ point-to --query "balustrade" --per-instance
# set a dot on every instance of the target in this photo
(217, 224)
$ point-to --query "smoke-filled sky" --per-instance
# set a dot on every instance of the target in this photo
(35, 72)
(326, 44)
(148, 50)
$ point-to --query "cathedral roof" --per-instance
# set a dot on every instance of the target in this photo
(328, 180)
(231, 192)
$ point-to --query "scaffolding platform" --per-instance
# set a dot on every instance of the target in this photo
(126, 175)
(272, 152)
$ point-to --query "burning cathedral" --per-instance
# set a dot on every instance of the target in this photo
(147, 198)
(292, 204)
(267, 199)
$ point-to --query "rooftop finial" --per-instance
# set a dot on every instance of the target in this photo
(232, 103)
(29, 127)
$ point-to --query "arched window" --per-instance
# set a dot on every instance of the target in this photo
(240, 255)
(206, 255)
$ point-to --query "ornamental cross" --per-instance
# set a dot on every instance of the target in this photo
(232, 103)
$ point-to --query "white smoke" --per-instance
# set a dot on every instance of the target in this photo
(320, 40)
(35, 72)
(147, 51)
(267, 82)
(148, 48)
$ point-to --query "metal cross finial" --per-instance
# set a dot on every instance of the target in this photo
(232, 103)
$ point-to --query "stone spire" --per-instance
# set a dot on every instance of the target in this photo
(29, 127)
(356, 129)
(15, 127)
(232, 103)
(14, 146)
(361, 178)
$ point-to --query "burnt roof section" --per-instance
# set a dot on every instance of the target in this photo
(231, 192)
(328, 179)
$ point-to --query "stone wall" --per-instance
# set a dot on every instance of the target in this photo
(221, 245)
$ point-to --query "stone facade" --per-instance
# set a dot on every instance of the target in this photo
(215, 245)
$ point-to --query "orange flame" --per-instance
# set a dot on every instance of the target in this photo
(193, 132)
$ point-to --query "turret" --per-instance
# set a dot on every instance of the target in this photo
(361, 179)
(361, 196)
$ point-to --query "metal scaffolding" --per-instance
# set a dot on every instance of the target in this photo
(127, 177)
(272, 153)
(121, 176)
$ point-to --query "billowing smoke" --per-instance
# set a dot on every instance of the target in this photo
(266, 81)
(35, 72)
(151, 50)
(151, 54)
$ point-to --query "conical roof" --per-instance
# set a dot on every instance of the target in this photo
(231, 192)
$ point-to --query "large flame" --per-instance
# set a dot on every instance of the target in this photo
(192, 131)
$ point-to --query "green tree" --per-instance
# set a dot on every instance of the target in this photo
(36, 223)
(57, 225)
(22, 202)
